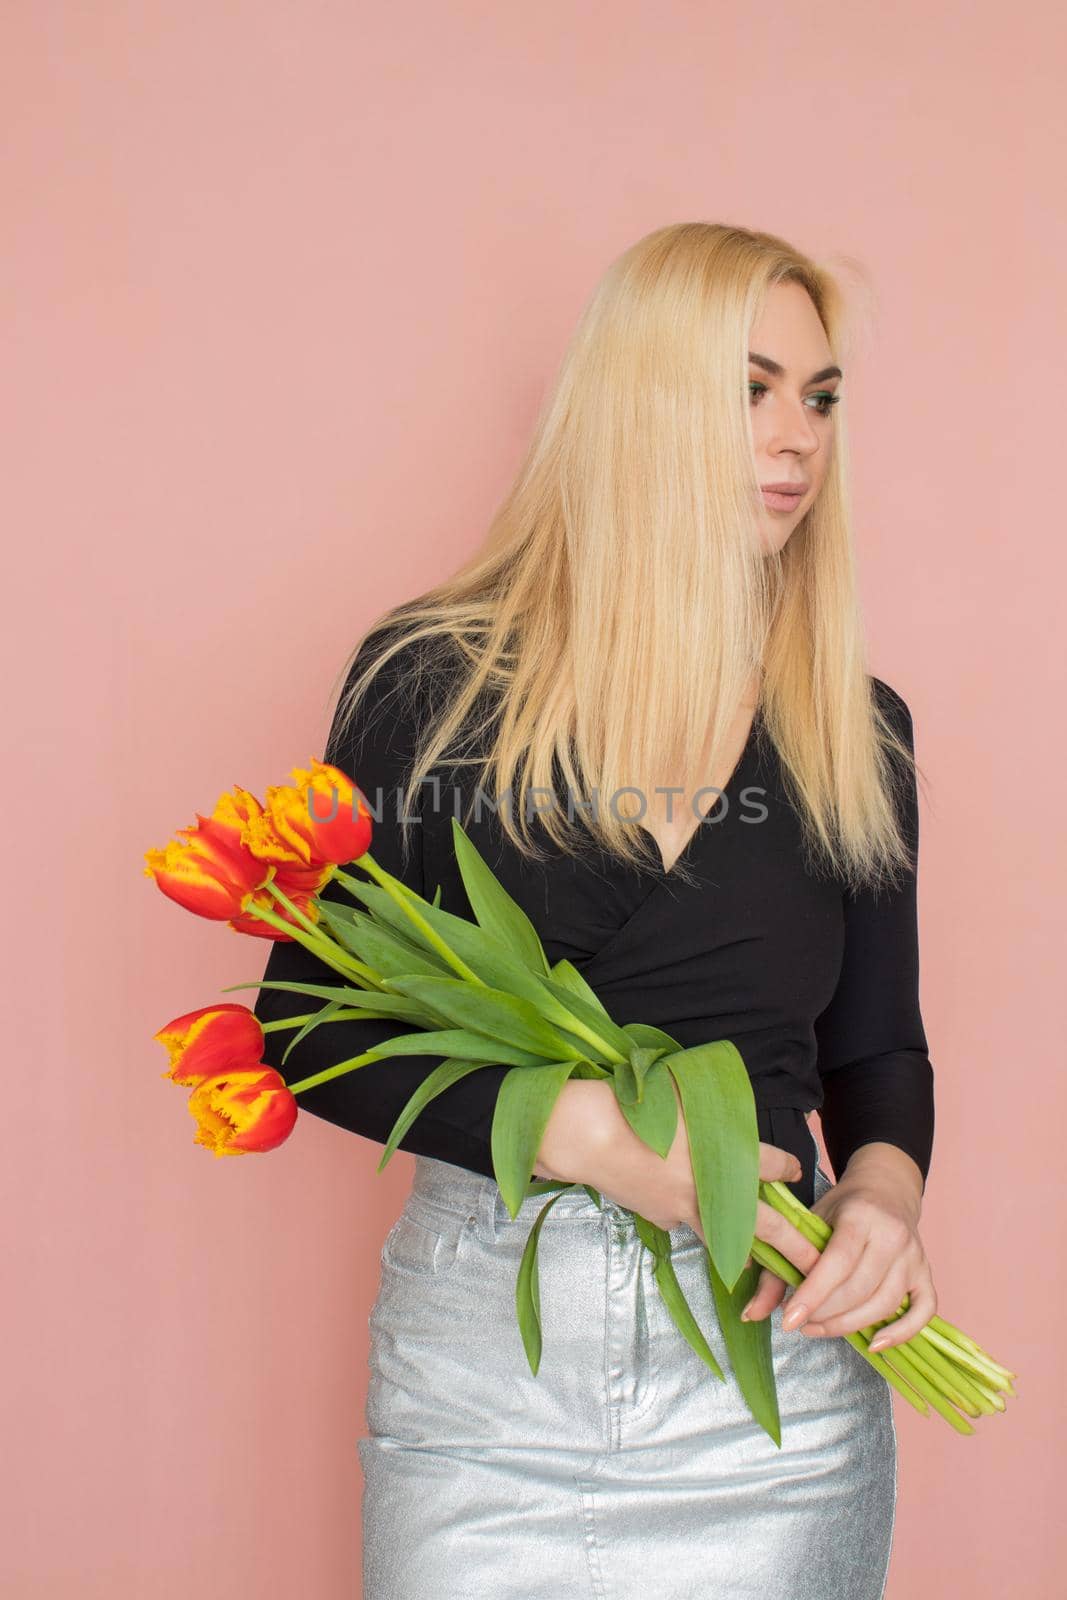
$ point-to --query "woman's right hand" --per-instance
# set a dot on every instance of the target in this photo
(588, 1140)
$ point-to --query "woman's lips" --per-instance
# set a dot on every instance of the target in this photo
(777, 501)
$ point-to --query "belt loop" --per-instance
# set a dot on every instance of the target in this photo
(487, 1203)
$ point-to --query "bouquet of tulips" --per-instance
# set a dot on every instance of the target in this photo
(481, 992)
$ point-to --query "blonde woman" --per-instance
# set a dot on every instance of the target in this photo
(646, 699)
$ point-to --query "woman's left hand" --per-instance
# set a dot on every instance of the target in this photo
(874, 1258)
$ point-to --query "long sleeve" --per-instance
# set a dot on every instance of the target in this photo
(873, 1057)
(376, 750)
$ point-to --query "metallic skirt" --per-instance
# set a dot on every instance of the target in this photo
(624, 1470)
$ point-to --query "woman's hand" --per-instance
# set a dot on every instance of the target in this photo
(588, 1140)
(874, 1258)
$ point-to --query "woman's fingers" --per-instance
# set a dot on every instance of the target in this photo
(829, 1270)
(777, 1165)
(770, 1290)
(773, 1229)
(869, 1276)
(923, 1299)
(923, 1304)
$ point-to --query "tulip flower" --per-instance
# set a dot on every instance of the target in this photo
(322, 820)
(212, 872)
(242, 1111)
(204, 1043)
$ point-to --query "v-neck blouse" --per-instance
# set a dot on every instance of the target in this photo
(716, 811)
(816, 985)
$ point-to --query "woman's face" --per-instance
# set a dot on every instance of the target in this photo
(792, 384)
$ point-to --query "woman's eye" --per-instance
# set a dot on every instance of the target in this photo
(824, 401)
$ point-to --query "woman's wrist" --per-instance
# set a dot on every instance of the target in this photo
(584, 1119)
(887, 1168)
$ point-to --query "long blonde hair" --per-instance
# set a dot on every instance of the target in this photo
(617, 608)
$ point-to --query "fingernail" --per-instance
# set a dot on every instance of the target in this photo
(795, 1315)
(745, 1312)
(878, 1344)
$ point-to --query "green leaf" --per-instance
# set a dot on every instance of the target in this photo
(328, 1011)
(493, 1012)
(565, 975)
(658, 1241)
(495, 910)
(528, 1291)
(441, 1078)
(385, 910)
(625, 1083)
(523, 1106)
(453, 1042)
(654, 1118)
(630, 1074)
(748, 1345)
(385, 950)
(498, 969)
(642, 1058)
(566, 1002)
(653, 1038)
(373, 1002)
(720, 1118)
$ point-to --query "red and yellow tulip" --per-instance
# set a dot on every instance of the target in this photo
(211, 871)
(243, 1111)
(214, 1039)
(321, 820)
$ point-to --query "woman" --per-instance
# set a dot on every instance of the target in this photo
(665, 606)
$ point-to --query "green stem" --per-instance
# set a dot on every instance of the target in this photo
(954, 1335)
(948, 1330)
(902, 1359)
(324, 949)
(370, 977)
(783, 1199)
(288, 1022)
(333, 1072)
(962, 1357)
(403, 897)
(347, 1014)
(952, 1384)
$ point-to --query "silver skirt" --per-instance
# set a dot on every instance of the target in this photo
(624, 1469)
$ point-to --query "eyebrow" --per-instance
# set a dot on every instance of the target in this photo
(776, 370)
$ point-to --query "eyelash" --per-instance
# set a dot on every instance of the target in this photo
(830, 400)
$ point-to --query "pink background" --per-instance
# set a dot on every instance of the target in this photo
(283, 287)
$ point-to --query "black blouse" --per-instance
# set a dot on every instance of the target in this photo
(816, 986)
